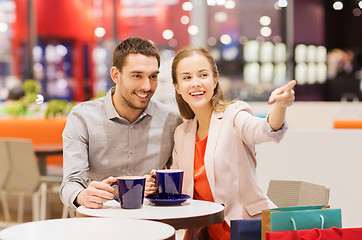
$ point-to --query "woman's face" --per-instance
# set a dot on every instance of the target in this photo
(195, 81)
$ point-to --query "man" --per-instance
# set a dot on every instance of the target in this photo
(123, 133)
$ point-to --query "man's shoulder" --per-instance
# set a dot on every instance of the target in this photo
(89, 105)
(165, 113)
(163, 109)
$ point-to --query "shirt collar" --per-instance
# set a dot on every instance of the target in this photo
(112, 113)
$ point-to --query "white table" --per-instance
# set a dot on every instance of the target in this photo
(90, 229)
(190, 214)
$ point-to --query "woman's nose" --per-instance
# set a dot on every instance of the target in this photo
(195, 82)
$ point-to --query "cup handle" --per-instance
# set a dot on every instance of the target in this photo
(115, 198)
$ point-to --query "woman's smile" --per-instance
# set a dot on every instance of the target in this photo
(198, 93)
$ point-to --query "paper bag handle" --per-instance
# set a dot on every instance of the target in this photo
(295, 225)
(319, 233)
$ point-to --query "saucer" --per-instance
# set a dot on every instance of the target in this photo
(155, 199)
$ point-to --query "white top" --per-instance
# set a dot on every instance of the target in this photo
(192, 213)
(89, 228)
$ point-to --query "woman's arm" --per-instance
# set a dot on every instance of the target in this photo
(283, 97)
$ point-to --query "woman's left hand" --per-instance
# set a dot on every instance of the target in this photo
(283, 96)
(151, 183)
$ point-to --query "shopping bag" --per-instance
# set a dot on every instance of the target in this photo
(245, 229)
(299, 218)
(317, 234)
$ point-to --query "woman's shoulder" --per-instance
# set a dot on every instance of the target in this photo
(237, 106)
(186, 126)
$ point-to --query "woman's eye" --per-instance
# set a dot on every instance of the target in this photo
(203, 75)
(187, 77)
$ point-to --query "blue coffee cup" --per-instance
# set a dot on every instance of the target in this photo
(131, 191)
(169, 183)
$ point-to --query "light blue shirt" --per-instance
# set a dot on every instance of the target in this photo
(98, 143)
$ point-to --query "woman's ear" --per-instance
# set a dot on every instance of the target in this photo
(176, 88)
(216, 79)
(114, 74)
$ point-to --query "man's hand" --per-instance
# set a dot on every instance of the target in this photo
(151, 183)
(96, 193)
(283, 96)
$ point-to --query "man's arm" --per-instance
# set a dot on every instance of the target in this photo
(75, 190)
(75, 158)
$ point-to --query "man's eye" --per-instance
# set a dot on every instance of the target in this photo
(153, 77)
(137, 76)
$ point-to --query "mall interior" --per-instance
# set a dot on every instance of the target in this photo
(60, 54)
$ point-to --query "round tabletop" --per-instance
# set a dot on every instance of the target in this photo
(89, 228)
(190, 214)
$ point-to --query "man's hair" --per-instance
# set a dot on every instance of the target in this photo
(134, 45)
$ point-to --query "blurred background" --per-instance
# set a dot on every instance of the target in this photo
(56, 53)
(65, 46)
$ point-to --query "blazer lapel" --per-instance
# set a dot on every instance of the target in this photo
(188, 157)
(214, 130)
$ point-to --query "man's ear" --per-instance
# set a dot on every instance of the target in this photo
(114, 74)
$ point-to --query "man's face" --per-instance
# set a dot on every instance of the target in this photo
(137, 81)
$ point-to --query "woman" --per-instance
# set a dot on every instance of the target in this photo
(215, 146)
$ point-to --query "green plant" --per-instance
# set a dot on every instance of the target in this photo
(58, 108)
(16, 108)
(20, 107)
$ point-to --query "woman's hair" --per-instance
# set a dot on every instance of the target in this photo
(134, 45)
(218, 101)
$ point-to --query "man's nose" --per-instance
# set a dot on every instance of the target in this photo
(146, 85)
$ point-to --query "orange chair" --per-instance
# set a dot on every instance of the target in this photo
(39, 130)
(348, 123)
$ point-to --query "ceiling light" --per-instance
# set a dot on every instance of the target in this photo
(100, 32)
(185, 20)
(265, 31)
(187, 6)
(230, 4)
(338, 5)
(167, 34)
(193, 30)
(282, 3)
(225, 39)
(265, 20)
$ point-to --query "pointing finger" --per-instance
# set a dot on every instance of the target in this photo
(289, 86)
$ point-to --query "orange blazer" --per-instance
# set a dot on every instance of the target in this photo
(229, 159)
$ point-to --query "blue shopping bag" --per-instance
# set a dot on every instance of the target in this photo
(245, 229)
